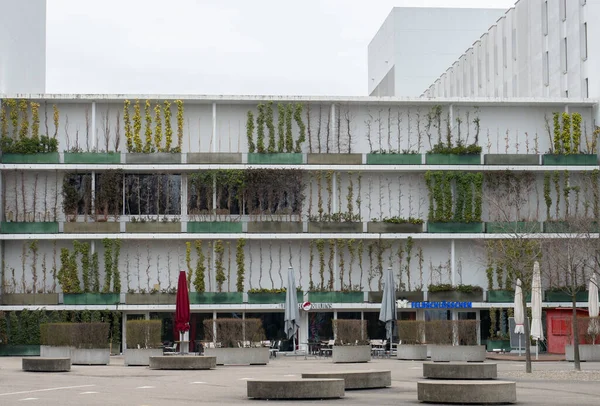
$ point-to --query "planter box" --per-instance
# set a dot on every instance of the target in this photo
(214, 158)
(512, 227)
(150, 298)
(269, 298)
(141, 356)
(572, 159)
(92, 158)
(455, 296)
(49, 351)
(92, 227)
(501, 296)
(216, 297)
(566, 227)
(503, 345)
(278, 158)
(25, 299)
(511, 159)
(351, 353)
(411, 352)
(214, 227)
(336, 297)
(464, 353)
(375, 297)
(42, 158)
(44, 227)
(380, 227)
(394, 159)
(153, 227)
(291, 227)
(153, 158)
(91, 298)
(558, 296)
(466, 228)
(19, 350)
(90, 356)
(587, 352)
(334, 159)
(239, 356)
(452, 159)
(335, 227)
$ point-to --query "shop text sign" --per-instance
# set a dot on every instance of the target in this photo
(442, 305)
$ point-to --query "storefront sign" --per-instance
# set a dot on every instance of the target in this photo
(306, 306)
(441, 305)
(316, 306)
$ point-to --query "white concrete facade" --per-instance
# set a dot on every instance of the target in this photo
(414, 44)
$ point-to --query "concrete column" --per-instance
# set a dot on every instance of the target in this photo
(451, 114)
(184, 197)
(93, 202)
(303, 328)
(452, 261)
(124, 331)
(214, 127)
(94, 132)
(335, 314)
(332, 127)
(214, 327)
(478, 318)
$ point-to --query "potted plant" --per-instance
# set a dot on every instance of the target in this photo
(152, 224)
(566, 148)
(236, 341)
(335, 223)
(458, 293)
(412, 335)
(454, 340)
(395, 224)
(351, 342)
(143, 341)
(334, 159)
(394, 157)
(20, 333)
(444, 154)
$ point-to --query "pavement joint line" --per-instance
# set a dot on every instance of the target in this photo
(245, 379)
(20, 400)
(87, 393)
(45, 390)
(197, 382)
(145, 387)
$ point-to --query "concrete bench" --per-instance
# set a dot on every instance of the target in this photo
(296, 389)
(467, 392)
(39, 364)
(460, 370)
(466, 353)
(357, 379)
(183, 362)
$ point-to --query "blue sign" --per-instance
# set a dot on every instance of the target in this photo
(442, 305)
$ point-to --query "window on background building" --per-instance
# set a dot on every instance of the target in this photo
(147, 194)
(586, 88)
(584, 42)
(546, 69)
(563, 9)
(545, 18)
(108, 195)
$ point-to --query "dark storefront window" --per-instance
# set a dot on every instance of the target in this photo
(320, 326)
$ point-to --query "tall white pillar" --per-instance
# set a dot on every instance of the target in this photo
(452, 262)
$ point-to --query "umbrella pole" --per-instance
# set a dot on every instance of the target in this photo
(536, 349)
(519, 344)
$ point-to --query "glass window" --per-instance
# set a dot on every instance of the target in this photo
(272, 323)
(152, 194)
(320, 325)
(375, 328)
(584, 42)
(77, 195)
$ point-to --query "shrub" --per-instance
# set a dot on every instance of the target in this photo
(232, 332)
(411, 331)
(143, 333)
(467, 331)
(439, 332)
(350, 332)
(78, 335)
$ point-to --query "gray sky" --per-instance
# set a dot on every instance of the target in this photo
(308, 47)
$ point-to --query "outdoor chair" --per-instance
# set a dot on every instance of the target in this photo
(274, 349)
(170, 348)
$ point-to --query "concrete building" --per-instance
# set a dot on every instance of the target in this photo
(414, 44)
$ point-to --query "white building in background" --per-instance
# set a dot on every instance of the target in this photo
(414, 45)
(22, 46)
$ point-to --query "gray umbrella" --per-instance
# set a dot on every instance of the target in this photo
(387, 314)
(292, 316)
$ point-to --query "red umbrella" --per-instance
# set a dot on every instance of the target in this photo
(182, 305)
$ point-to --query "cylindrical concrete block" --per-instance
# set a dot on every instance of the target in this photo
(467, 392)
(182, 362)
(357, 379)
(460, 370)
(296, 389)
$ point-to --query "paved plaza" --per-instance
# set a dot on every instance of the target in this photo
(553, 383)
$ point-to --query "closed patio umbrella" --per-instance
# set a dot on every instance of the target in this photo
(593, 327)
(291, 317)
(536, 307)
(519, 312)
(387, 313)
(182, 310)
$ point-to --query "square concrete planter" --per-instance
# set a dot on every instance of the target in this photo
(239, 356)
(153, 227)
(215, 227)
(216, 297)
(25, 299)
(334, 227)
(512, 227)
(375, 297)
(150, 298)
(92, 158)
(90, 356)
(49, 351)
(572, 159)
(511, 159)
(336, 297)
(379, 227)
(351, 353)
(214, 158)
(452, 159)
(393, 159)
(275, 159)
(334, 159)
(587, 352)
(455, 296)
(43, 227)
(463, 228)
(464, 353)
(92, 227)
(153, 158)
(410, 352)
(270, 298)
(42, 158)
(91, 298)
(141, 356)
(19, 350)
(275, 227)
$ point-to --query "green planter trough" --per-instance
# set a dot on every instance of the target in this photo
(153, 158)
(463, 228)
(91, 227)
(494, 345)
(380, 227)
(511, 227)
(44, 227)
(573, 159)
(504, 296)
(42, 158)
(336, 297)
(455, 296)
(150, 298)
(19, 350)
(334, 227)
(560, 296)
(214, 227)
(413, 296)
(566, 227)
(452, 159)
(275, 227)
(153, 227)
(394, 159)
(92, 158)
(511, 159)
(25, 299)
(91, 298)
(270, 298)
(214, 158)
(334, 159)
(216, 297)
(275, 159)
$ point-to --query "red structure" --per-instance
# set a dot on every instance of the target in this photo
(558, 328)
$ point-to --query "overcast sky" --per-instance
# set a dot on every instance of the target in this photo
(307, 47)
